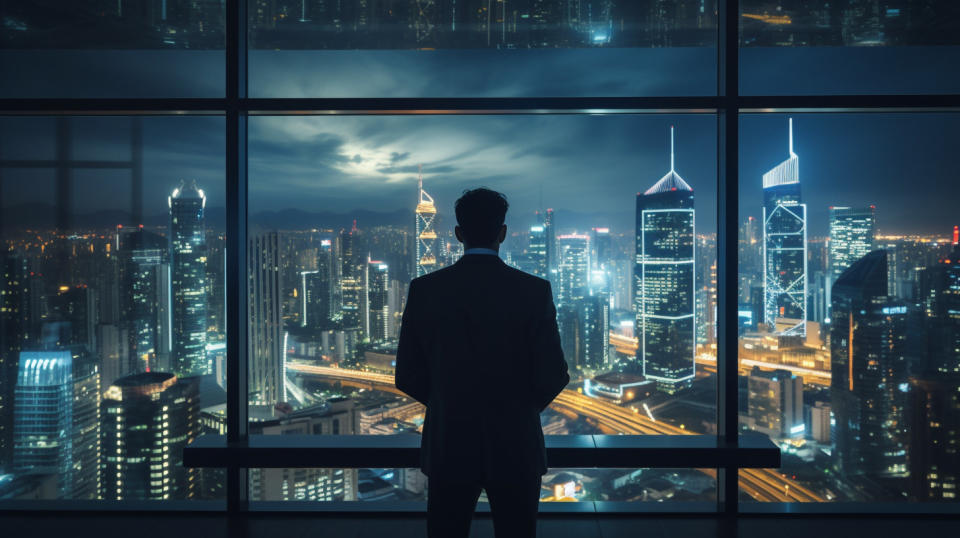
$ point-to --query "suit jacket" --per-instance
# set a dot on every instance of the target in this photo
(479, 346)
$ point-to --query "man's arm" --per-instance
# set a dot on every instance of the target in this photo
(549, 367)
(411, 370)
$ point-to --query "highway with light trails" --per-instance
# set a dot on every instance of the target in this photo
(762, 484)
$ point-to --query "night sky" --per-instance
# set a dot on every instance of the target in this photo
(586, 166)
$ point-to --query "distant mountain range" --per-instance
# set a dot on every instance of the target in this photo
(43, 216)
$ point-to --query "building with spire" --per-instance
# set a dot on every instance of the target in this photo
(425, 253)
(784, 247)
(664, 273)
(188, 280)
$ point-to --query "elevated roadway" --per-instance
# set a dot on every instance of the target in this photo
(762, 484)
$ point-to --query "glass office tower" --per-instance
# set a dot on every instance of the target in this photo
(868, 382)
(851, 238)
(784, 248)
(144, 282)
(377, 294)
(537, 260)
(188, 280)
(57, 420)
(664, 281)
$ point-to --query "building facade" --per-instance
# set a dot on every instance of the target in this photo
(664, 280)
(188, 281)
(148, 419)
(784, 247)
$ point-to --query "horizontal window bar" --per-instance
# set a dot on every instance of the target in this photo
(427, 106)
(563, 451)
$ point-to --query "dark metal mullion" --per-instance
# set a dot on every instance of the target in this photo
(728, 80)
(236, 284)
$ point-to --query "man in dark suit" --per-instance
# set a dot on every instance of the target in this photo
(479, 346)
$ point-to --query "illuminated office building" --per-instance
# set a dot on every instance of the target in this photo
(317, 289)
(338, 416)
(775, 403)
(425, 259)
(784, 247)
(144, 281)
(265, 351)
(940, 301)
(934, 419)
(664, 276)
(57, 420)
(851, 238)
(868, 381)
(602, 253)
(14, 313)
(148, 419)
(188, 281)
(377, 299)
(352, 267)
(574, 268)
(595, 319)
(538, 262)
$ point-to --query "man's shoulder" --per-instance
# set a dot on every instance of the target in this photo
(451, 272)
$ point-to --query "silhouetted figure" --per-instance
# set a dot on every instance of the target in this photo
(479, 346)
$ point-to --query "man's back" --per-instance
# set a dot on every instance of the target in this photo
(479, 346)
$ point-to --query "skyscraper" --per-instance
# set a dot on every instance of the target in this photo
(664, 281)
(574, 268)
(550, 229)
(13, 335)
(934, 419)
(148, 418)
(188, 281)
(425, 255)
(537, 262)
(144, 277)
(265, 332)
(851, 238)
(868, 334)
(377, 292)
(595, 318)
(57, 420)
(784, 248)
(352, 267)
(940, 300)
(602, 247)
(317, 289)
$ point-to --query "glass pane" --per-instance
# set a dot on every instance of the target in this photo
(792, 47)
(50, 48)
(849, 320)
(112, 353)
(346, 211)
(482, 48)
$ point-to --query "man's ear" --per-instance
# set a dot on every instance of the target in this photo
(458, 233)
(503, 234)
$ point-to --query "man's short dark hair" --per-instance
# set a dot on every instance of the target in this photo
(480, 214)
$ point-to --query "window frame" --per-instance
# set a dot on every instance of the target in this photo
(727, 104)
